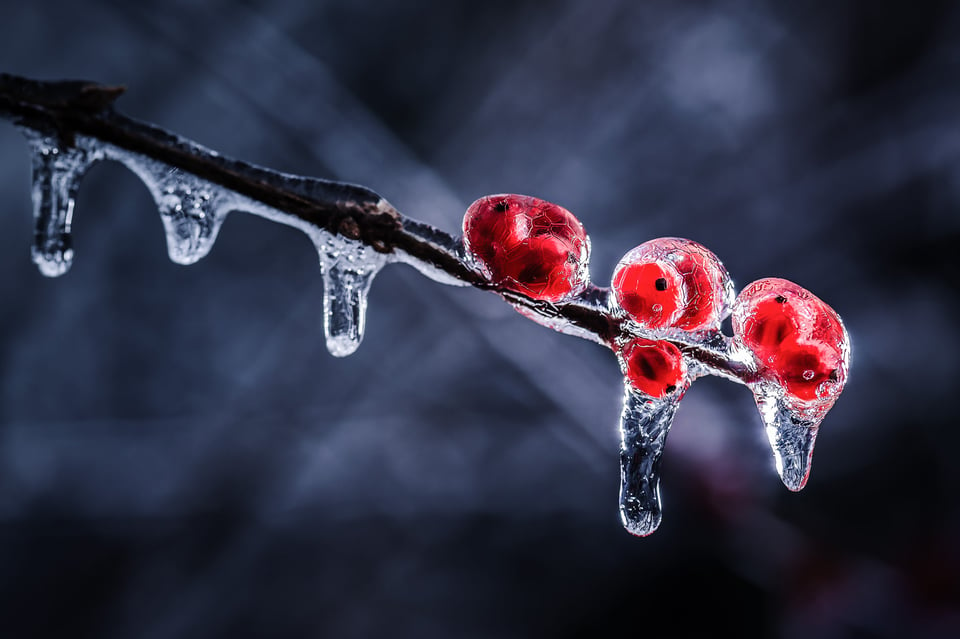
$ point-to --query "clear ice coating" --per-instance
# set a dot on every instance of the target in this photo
(192, 211)
(438, 239)
(57, 170)
(791, 431)
(348, 269)
(548, 315)
(644, 424)
(673, 282)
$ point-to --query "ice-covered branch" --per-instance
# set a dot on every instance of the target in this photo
(61, 112)
(661, 317)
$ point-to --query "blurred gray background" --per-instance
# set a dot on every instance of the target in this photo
(180, 457)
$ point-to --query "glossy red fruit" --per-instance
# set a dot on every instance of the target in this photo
(651, 292)
(707, 286)
(808, 371)
(672, 282)
(528, 245)
(654, 367)
(798, 340)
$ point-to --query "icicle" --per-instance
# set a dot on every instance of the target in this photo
(348, 270)
(791, 431)
(192, 210)
(644, 424)
(57, 170)
(192, 215)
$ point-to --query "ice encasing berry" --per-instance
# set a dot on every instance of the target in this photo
(672, 282)
(528, 245)
(798, 340)
(651, 292)
(653, 366)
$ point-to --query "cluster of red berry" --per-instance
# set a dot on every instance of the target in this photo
(541, 250)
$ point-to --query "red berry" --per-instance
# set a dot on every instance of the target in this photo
(706, 283)
(798, 340)
(653, 367)
(767, 324)
(650, 292)
(672, 282)
(527, 245)
(804, 367)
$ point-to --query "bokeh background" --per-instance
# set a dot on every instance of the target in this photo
(180, 457)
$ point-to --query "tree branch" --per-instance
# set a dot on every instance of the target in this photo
(66, 109)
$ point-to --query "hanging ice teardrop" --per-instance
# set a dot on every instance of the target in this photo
(192, 213)
(801, 351)
(192, 209)
(344, 308)
(644, 424)
(791, 431)
(348, 270)
(57, 169)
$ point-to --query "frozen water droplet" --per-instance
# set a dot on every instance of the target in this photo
(192, 210)
(644, 424)
(344, 309)
(791, 431)
(57, 170)
(348, 270)
(191, 217)
(808, 374)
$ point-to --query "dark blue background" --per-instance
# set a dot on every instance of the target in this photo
(179, 457)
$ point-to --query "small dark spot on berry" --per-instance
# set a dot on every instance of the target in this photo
(501, 206)
(671, 388)
(834, 375)
(661, 284)
(780, 299)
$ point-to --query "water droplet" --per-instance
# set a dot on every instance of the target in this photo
(644, 424)
(57, 171)
(348, 270)
(808, 374)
